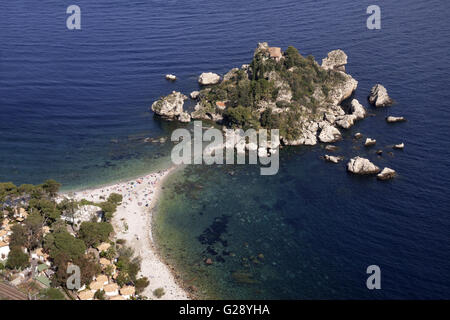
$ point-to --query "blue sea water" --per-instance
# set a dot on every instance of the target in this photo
(74, 106)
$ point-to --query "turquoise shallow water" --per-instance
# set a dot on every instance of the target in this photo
(75, 107)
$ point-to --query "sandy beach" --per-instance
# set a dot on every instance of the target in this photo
(133, 222)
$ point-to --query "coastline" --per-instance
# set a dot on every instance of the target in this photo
(133, 221)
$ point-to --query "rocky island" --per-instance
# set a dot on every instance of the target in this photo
(282, 90)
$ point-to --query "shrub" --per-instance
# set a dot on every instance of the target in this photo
(159, 292)
(115, 198)
(141, 284)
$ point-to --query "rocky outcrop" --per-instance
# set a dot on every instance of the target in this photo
(370, 142)
(184, 117)
(392, 119)
(329, 134)
(194, 95)
(336, 60)
(358, 135)
(202, 112)
(343, 90)
(169, 107)
(386, 174)
(379, 96)
(348, 120)
(362, 166)
(331, 147)
(333, 159)
(230, 74)
(399, 146)
(171, 77)
(208, 78)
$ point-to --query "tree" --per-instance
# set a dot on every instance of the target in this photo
(93, 233)
(7, 189)
(69, 207)
(141, 284)
(88, 269)
(127, 264)
(115, 198)
(108, 209)
(26, 189)
(51, 187)
(18, 237)
(33, 227)
(241, 117)
(17, 259)
(47, 209)
(64, 243)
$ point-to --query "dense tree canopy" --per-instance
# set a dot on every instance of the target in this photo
(93, 233)
(64, 243)
(17, 259)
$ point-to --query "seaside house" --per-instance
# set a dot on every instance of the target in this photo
(117, 298)
(96, 285)
(20, 214)
(221, 105)
(102, 279)
(104, 262)
(43, 281)
(39, 255)
(104, 246)
(4, 250)
(111, 289)
(86, 295)
(127, 292)
(275, 53)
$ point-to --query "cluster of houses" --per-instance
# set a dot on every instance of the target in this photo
(102, 282)
(40, 270)
(5, 231)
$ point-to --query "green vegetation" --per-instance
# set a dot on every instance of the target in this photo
(141, 284)
(159, 292)
(17, 259)
(51, 294)
(247, 94)
(40, 226)
(63, 243)
(128, 266)
(93, 233)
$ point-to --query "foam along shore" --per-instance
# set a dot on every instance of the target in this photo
(133, 222)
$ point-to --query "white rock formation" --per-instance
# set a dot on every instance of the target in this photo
(84, 214)
(379, 96)
(392, 119)
(336, 60)
(370, 142)
(171, 77)
(194, 94)
(329, 134)
(184, 117)
(360, 165)
(208, 78)
(399, 146)
(333, 159)
(386, 174)
(170, 106)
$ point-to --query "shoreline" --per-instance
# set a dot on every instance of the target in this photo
(133, 221)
